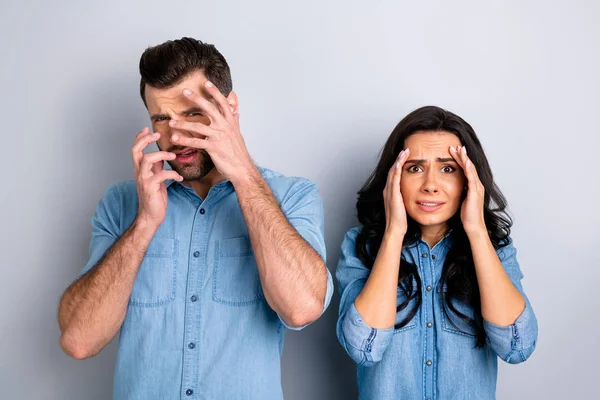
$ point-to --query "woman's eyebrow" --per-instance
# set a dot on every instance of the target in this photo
(439, 159)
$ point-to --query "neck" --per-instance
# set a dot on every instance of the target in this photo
(203, 185)
(433, 234)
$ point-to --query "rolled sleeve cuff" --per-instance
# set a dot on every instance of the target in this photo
(514, 343)
(365, 345)
(328, 296)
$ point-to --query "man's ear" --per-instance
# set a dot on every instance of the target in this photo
(232, 100)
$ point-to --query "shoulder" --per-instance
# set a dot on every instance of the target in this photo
(286, 187)
(507, 250)
(352, 234)
(349, 241)
(121, 197)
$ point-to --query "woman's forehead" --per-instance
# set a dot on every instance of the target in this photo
(431, 142)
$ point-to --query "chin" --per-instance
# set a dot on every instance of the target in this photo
(429, 220)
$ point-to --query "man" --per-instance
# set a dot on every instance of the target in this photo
(200, 267)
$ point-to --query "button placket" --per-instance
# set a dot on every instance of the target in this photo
(427, 262)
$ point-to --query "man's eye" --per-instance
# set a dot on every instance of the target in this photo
(159, 119)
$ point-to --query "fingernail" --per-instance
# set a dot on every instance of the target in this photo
(464, 149)
(173, 122)
(187, 92)
(401, 154)
(209, 84)
(398, 165)
(175, 138)
(155, 134)
(453, 149)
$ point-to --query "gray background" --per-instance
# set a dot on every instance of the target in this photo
(321, 85)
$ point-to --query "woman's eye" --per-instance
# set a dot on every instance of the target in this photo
(413, 168)
(448, 169)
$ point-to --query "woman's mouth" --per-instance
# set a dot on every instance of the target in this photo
(429, 206)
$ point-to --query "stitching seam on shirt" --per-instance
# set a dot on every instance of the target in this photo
(370, 340)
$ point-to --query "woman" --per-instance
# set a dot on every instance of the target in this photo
(430, 285)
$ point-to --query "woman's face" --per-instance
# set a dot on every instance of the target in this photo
(432, 182)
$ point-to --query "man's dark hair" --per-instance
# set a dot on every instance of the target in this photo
(167, 64)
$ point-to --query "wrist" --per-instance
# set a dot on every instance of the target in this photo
(477, 233)
(144, 227)
(394, 234)
(247, 178)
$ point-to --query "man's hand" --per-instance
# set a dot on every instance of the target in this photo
(222, 139)
(150, 178)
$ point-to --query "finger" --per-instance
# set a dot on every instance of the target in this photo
(143, 132)
(398, 173)
(157, 167)
(396, 167)
(220, 99)
(456, 155)
(205, 105)
(194, 127)
(191, 142)
(155, 181)
(470, 166)
(148, 161)
(141, 142)
(473, 176)
(460, 155)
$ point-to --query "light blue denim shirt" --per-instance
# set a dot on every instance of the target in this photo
(198, 325)
(428, 358)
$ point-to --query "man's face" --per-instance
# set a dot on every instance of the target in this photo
(165, 104)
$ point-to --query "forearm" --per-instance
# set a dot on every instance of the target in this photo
(93, 308)
(376, 303)
(501, 302)
(293, 275)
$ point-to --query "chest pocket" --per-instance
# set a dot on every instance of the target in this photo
(401, 315)
(453, 322)
(236, 281)
(155, 282)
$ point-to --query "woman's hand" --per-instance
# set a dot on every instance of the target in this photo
(471, 212)
(395, 212)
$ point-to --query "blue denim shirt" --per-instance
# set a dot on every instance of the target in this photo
(198, 325)
(430, 357)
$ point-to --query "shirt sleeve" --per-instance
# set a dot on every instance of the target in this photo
(105, 227)
(366, 345)
(514, 343)
(303, 209)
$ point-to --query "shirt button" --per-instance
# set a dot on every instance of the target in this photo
(191, 345)
(196, 254)
(424, 255)
(429, 363)
(189, 392)
(202, 211)
(429, 288)
(193, 298)
(429, 324)
(432, 257)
